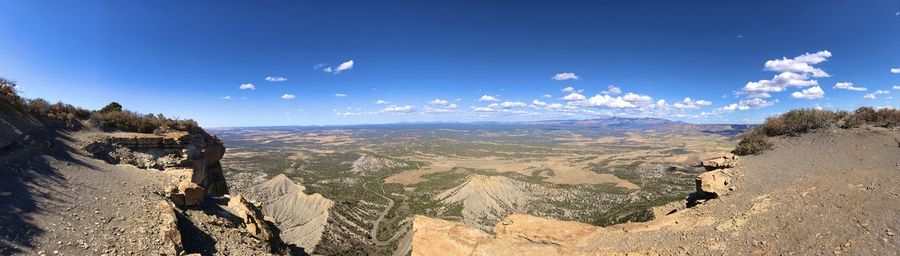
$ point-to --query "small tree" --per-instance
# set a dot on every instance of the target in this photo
(111, 107)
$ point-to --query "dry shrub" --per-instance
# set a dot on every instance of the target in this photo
(752, 142)
(799, 121)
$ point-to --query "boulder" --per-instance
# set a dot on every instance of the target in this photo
(193, 193)
(713, 182)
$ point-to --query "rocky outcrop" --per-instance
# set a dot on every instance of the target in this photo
(191, 193)
(714, 183)
(253, 220)
(726, 161)
(196, 149)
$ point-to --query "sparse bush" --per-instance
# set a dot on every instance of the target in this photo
(112, 117)
(799, 121)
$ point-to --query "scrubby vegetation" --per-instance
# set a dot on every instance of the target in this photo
(112, 117)
(799, 121)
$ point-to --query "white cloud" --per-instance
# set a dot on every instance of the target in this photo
(288, 96)
(793, 72)
(778, 83)
(848, 86)
(344, 66)
(381, 102)
(882, 92)
(568, 89)
(811, 93)
(662, 103)
(896, 87)
(275, 79)
(555, 106)
(612, 90)
(609, 101)
(895, 70)
(451, 108)
(247, 86)
(327, 69)
(565, 76)
(340, 95)
(488, 98)
(689, 103)
(547, 96)
(801, 64)
(638, 98)
(574, 96)
(226, 98)
(512, 104)
(870, 96)
(746, 104)
(398, 109)
(438, 102)
(538, 103)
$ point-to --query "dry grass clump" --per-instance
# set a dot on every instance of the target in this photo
(112, 117)
(799, 121)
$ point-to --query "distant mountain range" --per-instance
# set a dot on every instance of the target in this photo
(647, 123)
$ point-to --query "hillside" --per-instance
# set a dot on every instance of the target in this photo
(112, 182)
(825, 192)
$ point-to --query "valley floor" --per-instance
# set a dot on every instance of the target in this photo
(830, 192)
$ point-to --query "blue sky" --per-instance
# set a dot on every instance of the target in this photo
(421, 61)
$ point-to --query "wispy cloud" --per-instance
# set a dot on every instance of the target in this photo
(275, 79)
(347, 65)
(565, 76)
(398, 109)
(288, 96)
(849, 86)
(746, 104)
(226, 98)
(612, 90)
(488, 98)
(895, 70)
(441, 109)
(247, 86)
(438, 102)
(381, 102)
(882, 92)
(340, 95)
(687, 103)
(870, 96)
